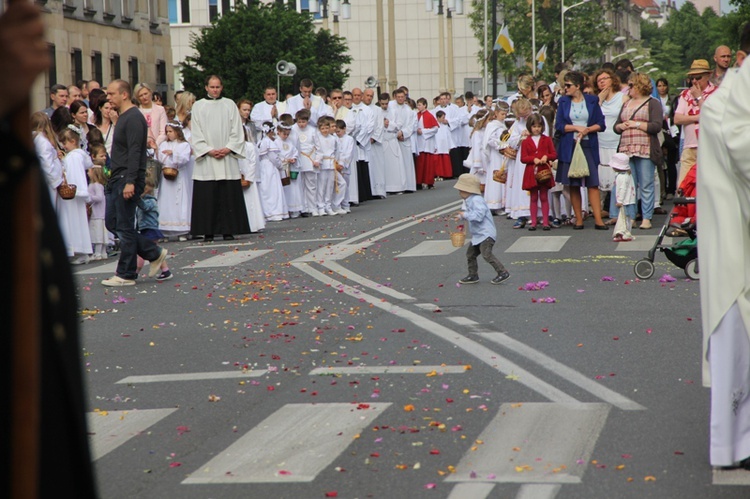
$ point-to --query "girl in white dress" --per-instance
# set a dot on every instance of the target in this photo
(250, 173)
(494, 141)
(45, 145)
(271, 191)
(74, 223)
(174, 202)
(97, 207)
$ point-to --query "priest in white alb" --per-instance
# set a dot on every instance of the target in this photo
(268, 110)
(218, 142)
(402, 122)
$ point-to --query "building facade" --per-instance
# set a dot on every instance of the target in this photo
(104, 40)
(415, 47)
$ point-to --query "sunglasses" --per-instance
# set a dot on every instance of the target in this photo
(568, 85)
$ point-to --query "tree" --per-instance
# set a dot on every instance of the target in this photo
(244, 45)
(586, 34)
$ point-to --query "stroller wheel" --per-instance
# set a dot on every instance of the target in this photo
(691, 269)
(644, 269)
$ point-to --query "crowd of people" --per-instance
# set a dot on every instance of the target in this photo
(219, 167)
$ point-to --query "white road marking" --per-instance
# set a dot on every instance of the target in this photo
(318, 371)
(293, 444)
(111, 429)
(352, 276)
(489, 357)
(228, 259)
(107, 268)
(161, 378)
(641, 243)
(322, 240)
(731, 477)
(463, 321)
(430, 248)
(563, 436)
(538, 491)
(538, 244)
(403, 224)
(473, 490)
(563, 371)
(332, 252)
(221, 245)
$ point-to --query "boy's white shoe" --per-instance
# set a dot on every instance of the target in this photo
(348, 210)
(315, 213)
(340, 211)
(330, 212)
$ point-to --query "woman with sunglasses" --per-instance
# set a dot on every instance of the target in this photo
(607, 87)
(638, 125)
(580, 119)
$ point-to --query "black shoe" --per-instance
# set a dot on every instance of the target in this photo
(545, 227)
(578, 227)
(601, 227)
(228, 237)
(501, 278)
(469, 279)
(532, 227)
(208, 239)
(164, 276)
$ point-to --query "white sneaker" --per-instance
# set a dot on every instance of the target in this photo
(316, 213)
(348, 210)
(330, 212)
(154, 267)
(340, 211)
(117, 281)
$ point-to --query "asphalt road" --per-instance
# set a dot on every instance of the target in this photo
(338, 357)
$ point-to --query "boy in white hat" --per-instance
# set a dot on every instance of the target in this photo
(483, 232)
(624, 196)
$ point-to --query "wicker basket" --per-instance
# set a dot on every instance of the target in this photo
(543, 175)
(169, 172)
(458, 238)
(500, 175)
(286, 181)
(66, 190)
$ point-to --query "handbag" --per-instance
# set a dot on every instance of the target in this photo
(579, 167)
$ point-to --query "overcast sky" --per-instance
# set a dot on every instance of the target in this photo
(724, 4)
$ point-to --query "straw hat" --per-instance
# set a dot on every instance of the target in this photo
(699, 67)
(620, 162)
(468, 183)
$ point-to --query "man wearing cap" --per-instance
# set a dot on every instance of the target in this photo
(688, 112)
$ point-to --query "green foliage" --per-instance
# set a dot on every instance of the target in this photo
(690, 35)
(586, 34)
(244, 45)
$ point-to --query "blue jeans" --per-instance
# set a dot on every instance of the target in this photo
(119, 218)
(643, 171)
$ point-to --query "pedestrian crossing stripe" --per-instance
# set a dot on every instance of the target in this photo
(161, 378)
(321, 371)
(110, 429)
(430, 248)
(538, 244)
(294, 444)
(228, 259)
(521, 433)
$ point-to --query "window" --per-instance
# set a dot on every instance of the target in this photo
(76, 65)
(89, 6)
(304, 5)
(128, 10)
(218, 7)
(96, 67)
(161, 80)
(115, 72)
(52, 74)
(179, 11)
(133, 71)
(153, 12)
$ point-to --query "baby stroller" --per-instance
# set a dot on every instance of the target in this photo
(684, 253)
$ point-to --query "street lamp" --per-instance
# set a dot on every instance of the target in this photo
(629, 51)
(653, 69)
(619, 39)
(336, 7)
(638, 57)
(649, 63)
(563, 10)
(450, 6)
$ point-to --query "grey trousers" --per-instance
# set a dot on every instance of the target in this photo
(485, 249)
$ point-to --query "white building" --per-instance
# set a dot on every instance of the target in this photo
(416, 43)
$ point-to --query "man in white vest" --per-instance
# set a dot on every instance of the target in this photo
(305, 100)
